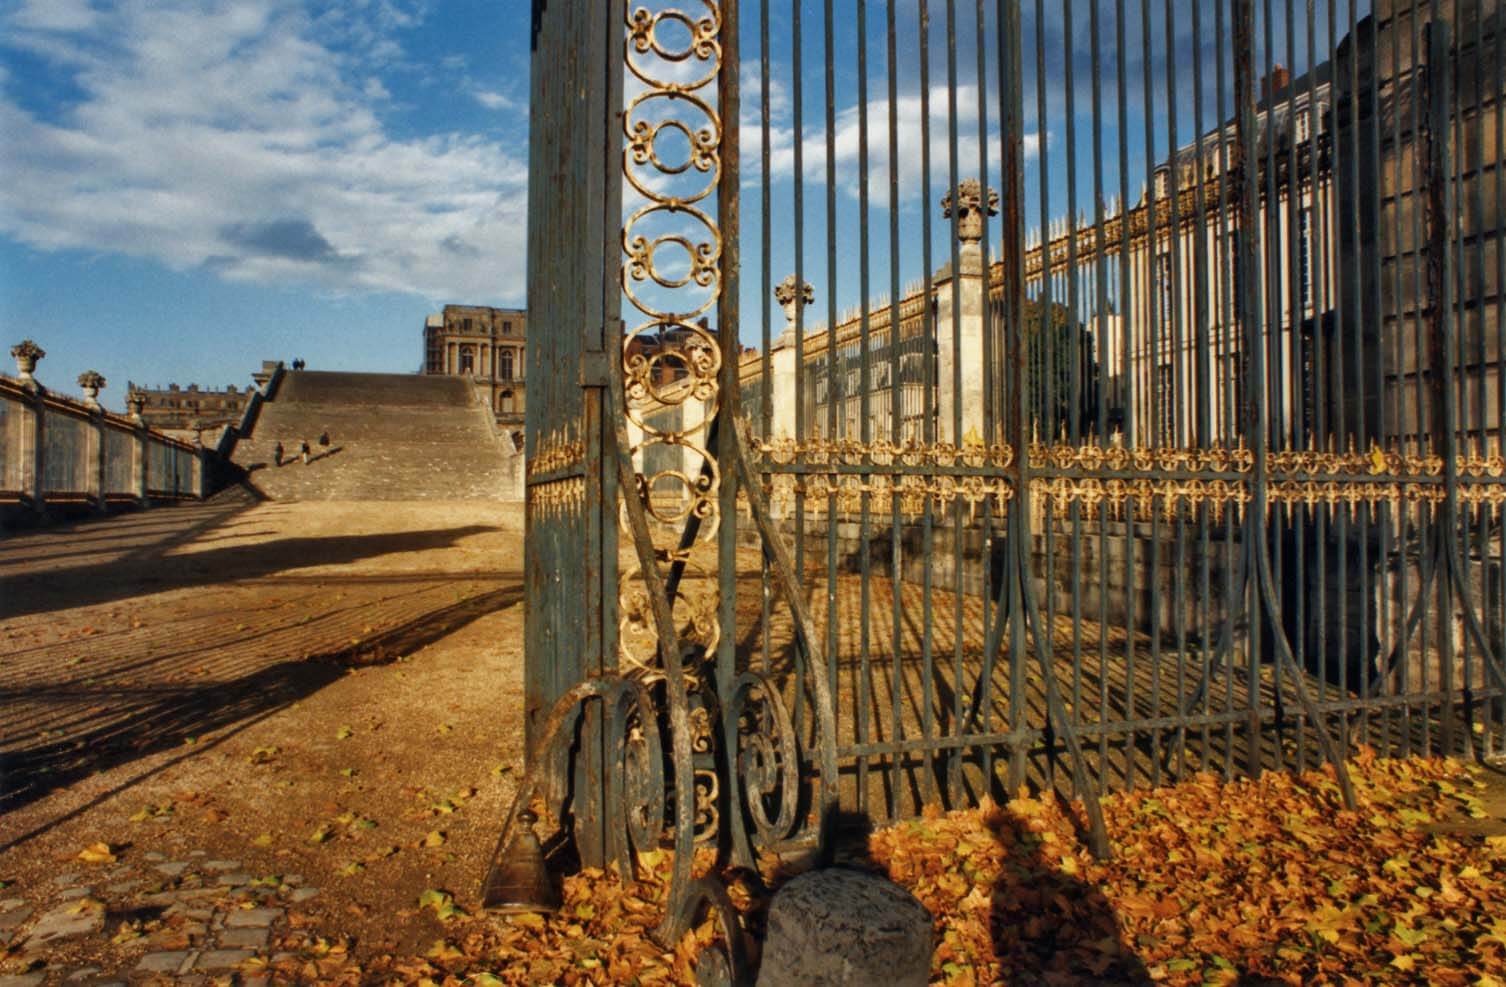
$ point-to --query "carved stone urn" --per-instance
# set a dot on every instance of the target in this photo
(971, 206)
(791, 295)
(26, 354)
(135, 404)
(92, 382)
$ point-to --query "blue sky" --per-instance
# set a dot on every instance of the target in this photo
(188, 187)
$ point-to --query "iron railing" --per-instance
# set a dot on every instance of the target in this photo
(1155, 424)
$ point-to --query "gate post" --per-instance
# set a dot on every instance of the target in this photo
(574, 231)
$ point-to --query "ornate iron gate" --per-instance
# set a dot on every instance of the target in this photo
(1174, 448)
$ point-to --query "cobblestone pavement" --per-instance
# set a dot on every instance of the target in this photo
(199, 706)
(186, 919)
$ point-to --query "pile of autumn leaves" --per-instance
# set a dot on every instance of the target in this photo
(1210, 882)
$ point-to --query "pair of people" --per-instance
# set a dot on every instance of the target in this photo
(303, 449)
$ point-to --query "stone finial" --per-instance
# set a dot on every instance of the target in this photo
(26, 354)
(92, 381)
(135, 404)
(971, 206)
(789, 293)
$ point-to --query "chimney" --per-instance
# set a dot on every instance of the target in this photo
(1275, 82)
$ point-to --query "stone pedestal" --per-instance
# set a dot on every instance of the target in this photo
(959, 356)
(781, 392)
(846, 928)
(962, 318)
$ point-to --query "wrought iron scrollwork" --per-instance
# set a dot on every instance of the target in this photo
(671, 363)
(634, 774)
(768, 757)
(682, 757)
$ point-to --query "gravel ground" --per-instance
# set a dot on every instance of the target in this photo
(282, 721)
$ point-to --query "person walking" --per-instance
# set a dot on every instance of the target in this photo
(277, 454)
(303, 451)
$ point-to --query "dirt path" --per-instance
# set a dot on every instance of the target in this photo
(285, 721)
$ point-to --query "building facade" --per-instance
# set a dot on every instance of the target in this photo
(179, 408)
(1148, 301)
(486, 345)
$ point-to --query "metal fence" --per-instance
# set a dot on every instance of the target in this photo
(1210, 443)
(1155, 422)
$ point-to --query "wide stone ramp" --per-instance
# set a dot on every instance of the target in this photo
(391, 437)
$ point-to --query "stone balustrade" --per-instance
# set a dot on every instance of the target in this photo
(60, 451)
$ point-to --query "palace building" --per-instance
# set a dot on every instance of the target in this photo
(179, 408)
(486, 345)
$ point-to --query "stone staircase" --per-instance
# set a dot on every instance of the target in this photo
(392, 437)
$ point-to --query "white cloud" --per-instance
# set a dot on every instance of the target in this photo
(846, 141)
(240, 135)
(55, 15)
(493, 100)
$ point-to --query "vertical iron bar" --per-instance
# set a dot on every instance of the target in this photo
(955, 756)
(1101, 307)
(1129, 398)
(797, 103)
(728, 307)
(1176, 353)
(834, 388)
(1441, 275)
(1016, 346)
(928, 535)
(1290, 345)
(896, 414)
(984, 692)
(864, 690)
(1246, 168)
(1203, 435)
(1074, 353)
(1498, 95)
(765, 357)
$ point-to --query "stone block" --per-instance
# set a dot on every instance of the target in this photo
(24, 979)
(12, 917)
(245, 938)
(846, 928)
(222, 959)
(252, 918)
(78, 918)
(166, 962)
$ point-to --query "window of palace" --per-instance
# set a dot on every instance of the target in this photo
(467, 360)
(505, 365)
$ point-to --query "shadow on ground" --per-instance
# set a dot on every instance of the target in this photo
(150, 569)
(1047, 926)
(137, 722)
